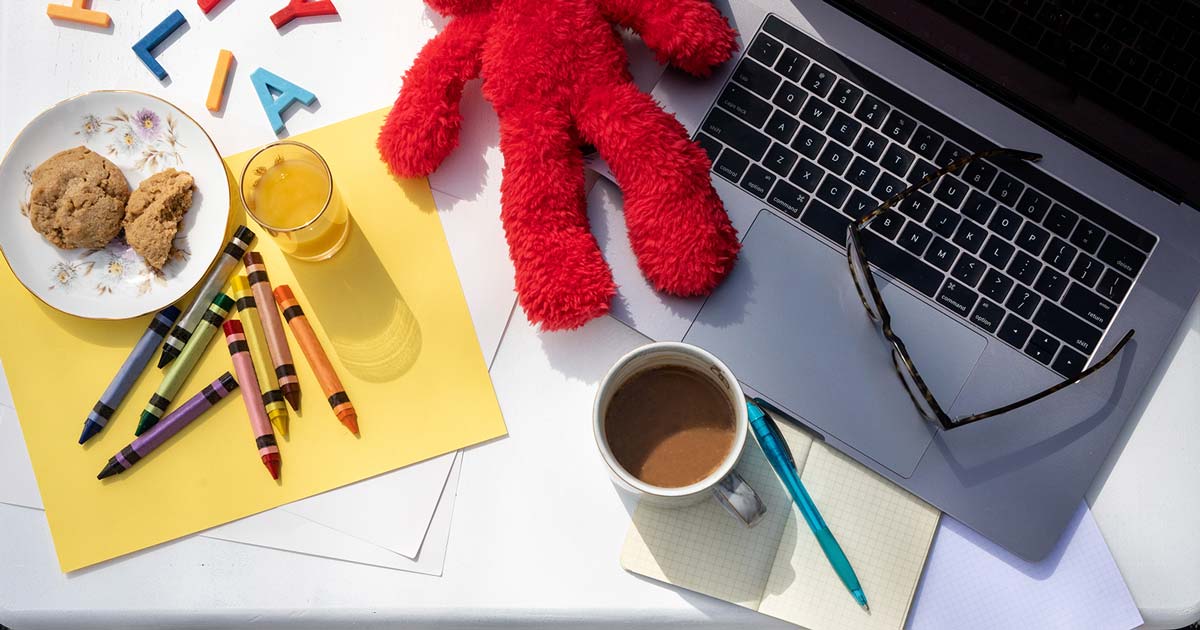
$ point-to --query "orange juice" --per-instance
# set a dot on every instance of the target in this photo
(291, 194)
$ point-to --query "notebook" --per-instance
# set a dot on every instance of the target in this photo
(777, 568)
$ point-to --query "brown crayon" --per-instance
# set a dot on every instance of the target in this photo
(281, 354)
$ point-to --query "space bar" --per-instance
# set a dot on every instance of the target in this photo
(904, 266)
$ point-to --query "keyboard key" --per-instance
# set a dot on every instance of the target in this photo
(1003, 16)
(1087, 236)
(1075, 332)
(1059, 254)
(846, 96)
(791, 65)
(968, 269)
(870, 144)
(1069, 363)
(987, 315)
(1086, 270)
(1091, 307)
(1014, 330)
(1006, 189)
(1024, 268)
(756, 78)
(920, 170)
(1023, 301)
(816, 112)
(1060, 220)
(1032, 238)
(1122, 256)
(979, 206)
(1114, 286)
(833, 191)
(980, 174)
(970, 235)
(950, 152)
(1005, 223)
(808, 142)
(888, 224)
(790, 98)
(900, 264)
(897, 159)
(996, 285)
(764, 48)
(887, 187)
(943, 220)
(835, 157)
(956, 297)
(997, 252)
(818, 80)
(807, 175)
(1041, 347)
(744, 105)
(780, 159)
(731, 165)
(926, 142)
(951, 191)
(710, 145)
(1033, 204)
(862, 173)
(859, 205)
(735, 133)
(915, 238)
(872, 111)
(844, 129)
(758, 180)
(782, 127)
(917, 206)
(899, 127)
(1051, 284)
(941, 254)
(788, 198)
(826, 221)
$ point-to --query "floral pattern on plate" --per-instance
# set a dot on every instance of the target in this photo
(145, 135)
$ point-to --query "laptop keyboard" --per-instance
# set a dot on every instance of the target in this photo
(1141, 56)
(1013, 251)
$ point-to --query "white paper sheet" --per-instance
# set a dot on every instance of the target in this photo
(970, 582)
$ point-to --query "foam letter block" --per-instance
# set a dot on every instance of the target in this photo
(267, 84)
(207, 5)
(80, 11)
(302, 8)
(216, 91)
(144, 49)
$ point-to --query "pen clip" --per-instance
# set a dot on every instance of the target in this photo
(773, 430)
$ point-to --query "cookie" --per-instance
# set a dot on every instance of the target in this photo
(78, 199)
(154, 212)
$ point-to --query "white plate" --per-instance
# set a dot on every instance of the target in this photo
(142, 135)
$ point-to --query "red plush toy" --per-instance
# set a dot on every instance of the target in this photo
(556, 73)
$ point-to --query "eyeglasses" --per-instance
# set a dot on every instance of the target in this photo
(868, 292)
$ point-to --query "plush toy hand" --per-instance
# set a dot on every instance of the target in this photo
(688, 34)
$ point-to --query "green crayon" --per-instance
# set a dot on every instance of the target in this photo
(179, 369)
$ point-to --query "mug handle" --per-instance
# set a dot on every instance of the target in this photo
(739, 499)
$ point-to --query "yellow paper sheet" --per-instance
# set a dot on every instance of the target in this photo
(390, 313)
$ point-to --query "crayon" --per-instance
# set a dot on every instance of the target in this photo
(128, 374)
(213, 284)
(331, 385)
(272, 396)
(170, 425)
(264, 438)
(178, 372)
(277, 343)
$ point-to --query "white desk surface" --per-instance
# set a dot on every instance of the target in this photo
(537, 527)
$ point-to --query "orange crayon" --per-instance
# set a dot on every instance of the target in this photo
(331, 385)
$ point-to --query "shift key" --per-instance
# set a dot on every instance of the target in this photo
(1077, 333)
(737, 134)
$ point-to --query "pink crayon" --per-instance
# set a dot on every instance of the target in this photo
(260, 424)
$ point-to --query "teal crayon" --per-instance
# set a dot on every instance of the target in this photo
(178, 371)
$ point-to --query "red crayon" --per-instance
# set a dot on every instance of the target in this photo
(264, 436)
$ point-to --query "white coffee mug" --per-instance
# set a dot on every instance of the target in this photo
(723, 484)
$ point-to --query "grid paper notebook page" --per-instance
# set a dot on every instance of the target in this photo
(777, 568)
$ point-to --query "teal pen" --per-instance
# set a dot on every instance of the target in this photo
(780, 457)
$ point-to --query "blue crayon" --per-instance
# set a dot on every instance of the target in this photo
(144, 49)
(129, 372)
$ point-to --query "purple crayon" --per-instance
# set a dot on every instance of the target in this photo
(170, 425)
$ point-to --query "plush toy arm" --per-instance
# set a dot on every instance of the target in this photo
(422, 128)
(689, 34)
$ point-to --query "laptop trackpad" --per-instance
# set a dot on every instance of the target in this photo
(789, 323)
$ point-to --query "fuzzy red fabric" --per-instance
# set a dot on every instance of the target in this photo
(556, 73)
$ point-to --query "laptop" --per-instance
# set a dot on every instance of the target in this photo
(1002, 280)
